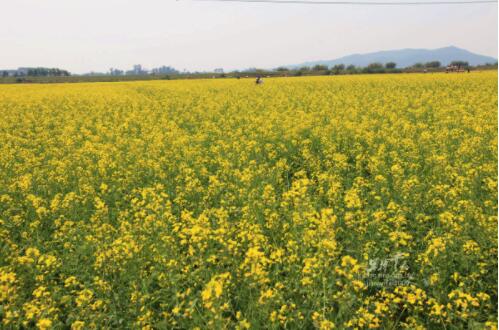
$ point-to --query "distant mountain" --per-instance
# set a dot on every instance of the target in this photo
(407, 57)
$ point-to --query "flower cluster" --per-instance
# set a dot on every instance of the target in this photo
(316, 202)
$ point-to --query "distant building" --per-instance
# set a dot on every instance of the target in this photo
(15, 73)
(137, 70)
(115, 72)
(8, 73)
(164, 70)
(23, 71)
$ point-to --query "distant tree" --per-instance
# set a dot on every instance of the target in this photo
(432, 64)
(418, 65)
(5, 74)
(338, 68)
(282, 69)
(375, 66)
(351, 68)
(461, 64)
(54, 72)
(305, 68)
(44, 72)
(391, 65)
(319, 67)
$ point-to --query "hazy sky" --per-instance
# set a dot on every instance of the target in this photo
(94, 35)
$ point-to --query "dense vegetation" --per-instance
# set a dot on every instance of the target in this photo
(313, 202)
(172, 74)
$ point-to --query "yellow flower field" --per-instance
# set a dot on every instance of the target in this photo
(345, 202)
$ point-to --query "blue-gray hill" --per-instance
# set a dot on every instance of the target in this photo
(406, 57)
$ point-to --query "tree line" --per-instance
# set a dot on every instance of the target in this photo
(375, 67)
(37, 72)
(44, 75)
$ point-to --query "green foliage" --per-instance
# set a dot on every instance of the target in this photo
(391, 65)
(44, 72)
(319, 67)
(432, 64)
(365, 202)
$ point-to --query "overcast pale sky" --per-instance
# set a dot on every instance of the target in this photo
(94, 35)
